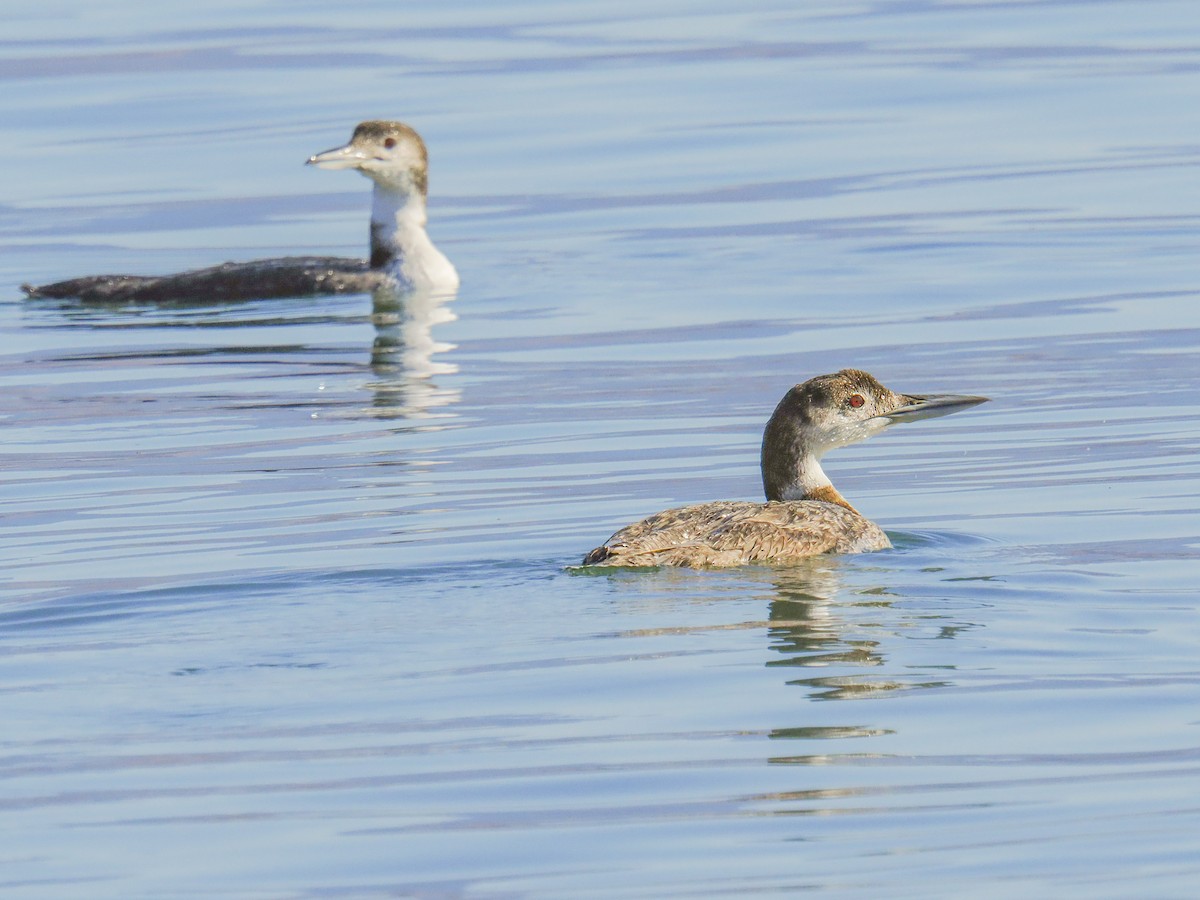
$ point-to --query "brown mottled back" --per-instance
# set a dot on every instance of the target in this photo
(733, 533)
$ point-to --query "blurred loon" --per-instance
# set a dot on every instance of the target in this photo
(403, 258)
(804, 514)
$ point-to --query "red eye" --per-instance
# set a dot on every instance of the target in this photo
(856, 400)
(389, 143)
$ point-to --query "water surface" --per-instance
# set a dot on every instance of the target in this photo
(286, 607)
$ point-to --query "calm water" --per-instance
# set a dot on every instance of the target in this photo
(284, 605)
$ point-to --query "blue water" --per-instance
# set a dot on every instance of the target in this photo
(286, 606)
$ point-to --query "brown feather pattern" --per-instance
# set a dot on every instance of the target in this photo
(733, 533)
(804, 514)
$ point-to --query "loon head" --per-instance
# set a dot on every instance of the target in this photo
(849, 406)
(389, 153)
(832, 411)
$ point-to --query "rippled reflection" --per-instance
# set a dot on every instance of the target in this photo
(404, 354)
(808, 627)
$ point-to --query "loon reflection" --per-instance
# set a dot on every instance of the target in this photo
(404, 355)
(403, 258)
(804, 514)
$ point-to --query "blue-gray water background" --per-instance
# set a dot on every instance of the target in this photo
(284, 609)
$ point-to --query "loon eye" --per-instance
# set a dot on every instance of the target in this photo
(856, 400)
(389, 143)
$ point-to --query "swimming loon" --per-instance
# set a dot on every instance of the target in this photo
(403, 258)
(804, 514)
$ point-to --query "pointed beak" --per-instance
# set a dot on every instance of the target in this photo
(348, 157)
(914, 408)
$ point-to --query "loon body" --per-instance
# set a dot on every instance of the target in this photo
(403, 258)
(804, 514)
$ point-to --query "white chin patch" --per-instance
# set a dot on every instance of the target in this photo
(853, 432)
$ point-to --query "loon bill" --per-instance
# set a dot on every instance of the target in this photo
(804, 514)
(403, 257)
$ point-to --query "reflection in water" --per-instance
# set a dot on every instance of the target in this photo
(402, 355)
(813, 623)
(805, 630)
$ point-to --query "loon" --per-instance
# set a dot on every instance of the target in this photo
(804, 514)
(403, 258)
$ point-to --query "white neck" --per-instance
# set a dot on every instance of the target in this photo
(810, 478)
(791, 466)
(399, 241)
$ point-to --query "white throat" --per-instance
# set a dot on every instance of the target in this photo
(399, 242)
(810, 477)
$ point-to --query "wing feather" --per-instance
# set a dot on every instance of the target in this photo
(293, 276)
(732, 533)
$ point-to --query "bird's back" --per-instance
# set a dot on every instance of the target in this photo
(263, 279)
(733, 533)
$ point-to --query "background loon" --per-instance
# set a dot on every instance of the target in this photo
(403, 258)
(805, 515)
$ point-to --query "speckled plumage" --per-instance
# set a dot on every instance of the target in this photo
(734, 533)
(804, 514)
(264, 279)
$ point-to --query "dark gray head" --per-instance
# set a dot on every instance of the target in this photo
(832, 411)
(389, 153)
